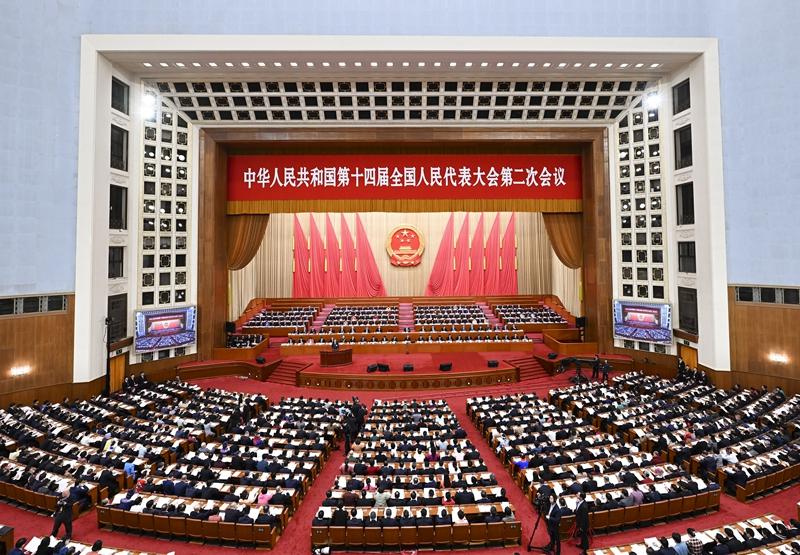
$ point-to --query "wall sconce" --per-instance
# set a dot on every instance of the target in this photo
(20, 370)
(778, 357)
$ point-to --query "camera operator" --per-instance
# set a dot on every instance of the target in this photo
(553, 520)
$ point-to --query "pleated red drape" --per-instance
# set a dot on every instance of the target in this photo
(461, 273)
(317, 260)
(370, 283)
(566, 235)
(440, 282)
(349, 278)
(332, 260)
(491, 282)
(245, 234)
(476, 260)
(508, 257)
(301, 280)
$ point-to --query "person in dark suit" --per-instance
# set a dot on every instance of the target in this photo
(582, 522)
(443, 519)
(553, 520)
(464, 497)
(737, 478)
(423, 519)
(63, 516)
(407, 519)
(373, 521)
(354, 519)
(389, 519)
(339, 517)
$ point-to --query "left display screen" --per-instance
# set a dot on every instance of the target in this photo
(166, 328)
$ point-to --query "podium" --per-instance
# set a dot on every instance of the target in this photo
(336, 358)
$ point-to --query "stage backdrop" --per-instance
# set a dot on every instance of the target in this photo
(269, 274)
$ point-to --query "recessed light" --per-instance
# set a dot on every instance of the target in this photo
(468, 64)
(293, 64)
(147, 64)
(531, 64)
(342, 64)
(405, 64)
(310, 64)
(639, 65)
(245, 64)
(500, 64)
(437, 64)
(277, 64)
(577, 64)
(654, 65)
(261, 64)
(212, 64)
(229, 64)
(373, 64)
(515, 64)
(546, 64)
(453, 64)
(389, 64)
(163, 64)
(420, 64)
(484, 64)
(623, 65)
(326, 64)
(608, 65)
(357, 64)
(593, 64)
(562, 64)
(180, 64)
(652, 101)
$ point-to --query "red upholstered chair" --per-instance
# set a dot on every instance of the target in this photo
(210, 530)
(337, 536)
(177, 527)
(391, 537)
(227, 532)
(319, 536)
(194, 529)
(477, 534)
(161, 525)
(442, 536)
(245, 534)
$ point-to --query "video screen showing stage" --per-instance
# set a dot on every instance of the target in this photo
(165, 329)
(643, 321)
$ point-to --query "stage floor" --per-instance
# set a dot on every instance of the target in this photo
(424, 363)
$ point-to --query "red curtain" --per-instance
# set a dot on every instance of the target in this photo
(348, 285)
(370, 283)
(461, 274)
(440, 283)
(317, 260)
(491, 282)
(476, 260)
(332, 258)
(508, 257)
(301, 280)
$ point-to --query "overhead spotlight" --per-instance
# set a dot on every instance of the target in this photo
(652, 101)
(148, 106)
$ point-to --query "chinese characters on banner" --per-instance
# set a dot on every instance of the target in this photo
(423, 176)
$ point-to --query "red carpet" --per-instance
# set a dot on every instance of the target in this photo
(296, 537)
(424, 363)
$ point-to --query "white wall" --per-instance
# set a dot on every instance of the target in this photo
(40, 84)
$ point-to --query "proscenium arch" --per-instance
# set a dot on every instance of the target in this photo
(216, 144)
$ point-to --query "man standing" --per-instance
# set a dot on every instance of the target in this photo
(582, 522)
(63, 515)
(553, 520)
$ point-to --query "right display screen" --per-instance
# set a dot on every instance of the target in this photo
(650, 322)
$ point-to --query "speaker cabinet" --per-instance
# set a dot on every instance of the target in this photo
(445, 366)
(372, 368)
(493, 364)
(408, 368)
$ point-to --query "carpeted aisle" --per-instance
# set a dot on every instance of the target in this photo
(296, 539)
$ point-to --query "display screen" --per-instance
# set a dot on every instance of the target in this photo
(643, 321)
(165, 329)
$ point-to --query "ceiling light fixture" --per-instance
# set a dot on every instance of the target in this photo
(342, 64)
(652, 101)
(593, 64)
(577, 64)
(654, 65)
(623, 65)
(389, 64)
(229, 64)
(562, 64)
(261, 64)
(639, 65)
(180, 64)
(357, 64)
(484, 64)
(420, 64)
(277, 64)
(546, 64)
(515, 64)
(326, 64)
(196, 64)
(531, 64)
(453, 64)
(608, 65)
(437, 64)
(405, 64)
(293, 64)
(373, 64)
(163, 64)
(147, 64)
(245, 64)
(309, 64)
(500, 64)
(212, 64)
(467, 64)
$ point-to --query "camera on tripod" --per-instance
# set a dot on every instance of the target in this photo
(542, 502)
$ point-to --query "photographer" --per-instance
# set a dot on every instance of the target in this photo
(553, 520)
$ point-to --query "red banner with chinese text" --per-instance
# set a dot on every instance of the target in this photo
(402, 176)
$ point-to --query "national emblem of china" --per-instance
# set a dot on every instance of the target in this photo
(405, 246)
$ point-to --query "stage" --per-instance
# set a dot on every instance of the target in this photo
(468, 369)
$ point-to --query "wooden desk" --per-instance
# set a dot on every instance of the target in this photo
(6, 538)
(341, 357)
